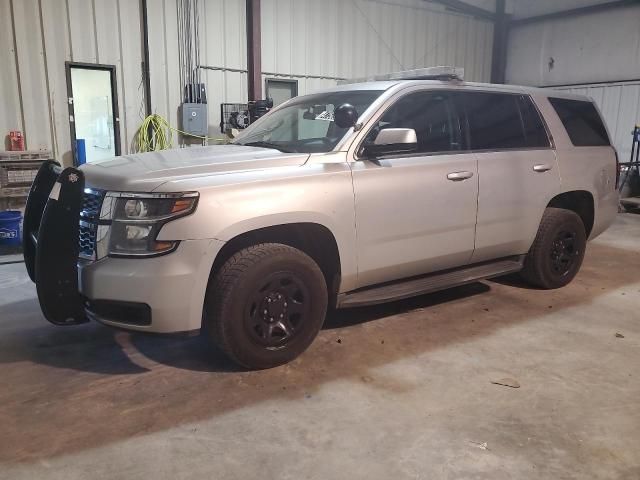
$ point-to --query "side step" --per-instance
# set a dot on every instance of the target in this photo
(430, 283)
(631, 202)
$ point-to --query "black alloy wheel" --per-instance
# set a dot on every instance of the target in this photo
(265, 305)
(277, 310)
(557, 252)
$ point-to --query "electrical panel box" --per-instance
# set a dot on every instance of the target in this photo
(194, 119)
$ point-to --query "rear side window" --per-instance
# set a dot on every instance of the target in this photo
(500, 121)
(582, 122)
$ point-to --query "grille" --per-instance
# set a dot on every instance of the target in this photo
(89, 216)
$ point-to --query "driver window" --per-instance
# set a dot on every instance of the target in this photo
(431, 115)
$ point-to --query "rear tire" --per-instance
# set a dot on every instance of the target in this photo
(558, 250)
(265, 305)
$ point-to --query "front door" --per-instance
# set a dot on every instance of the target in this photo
(416, 213)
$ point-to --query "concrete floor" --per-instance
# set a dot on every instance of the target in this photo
(400, 391)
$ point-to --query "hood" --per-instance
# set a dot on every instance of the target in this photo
(144, 172)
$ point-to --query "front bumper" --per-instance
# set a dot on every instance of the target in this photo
(173, 286)
(155, 294)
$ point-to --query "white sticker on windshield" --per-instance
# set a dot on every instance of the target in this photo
(55, 191)
(328, 116)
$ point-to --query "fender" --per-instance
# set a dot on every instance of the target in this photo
(320, 193)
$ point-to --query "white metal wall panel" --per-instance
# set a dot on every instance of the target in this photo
(48, 34)
(530, 8)
(160, 91)
(223, 44)
(10, 112)
(33, 78)
(130, 71)
(355, 38)
(56, 32)
(82, 29)
(304, 38)
(620, 106)
(595, 48)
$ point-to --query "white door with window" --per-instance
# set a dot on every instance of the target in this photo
(93, 108)
(416, 213)
(281, 90)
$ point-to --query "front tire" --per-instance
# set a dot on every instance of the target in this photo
(558, 250)
(265, 305)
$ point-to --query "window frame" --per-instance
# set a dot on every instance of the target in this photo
(463, 122)
(551, 145)
(114, 104)
(359, 151)
(547, 130)
(271, 81)
(609, 143)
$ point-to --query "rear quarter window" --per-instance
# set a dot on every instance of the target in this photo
(582, 122)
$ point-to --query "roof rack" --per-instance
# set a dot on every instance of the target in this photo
(429, 73)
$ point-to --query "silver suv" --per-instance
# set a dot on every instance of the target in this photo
(358, 195)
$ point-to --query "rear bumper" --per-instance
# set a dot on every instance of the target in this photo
(172, 286)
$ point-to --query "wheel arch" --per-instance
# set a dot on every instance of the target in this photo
(314, 239)
(579, 201)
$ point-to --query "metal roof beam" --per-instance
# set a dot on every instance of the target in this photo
(600, 7)
(463, 7)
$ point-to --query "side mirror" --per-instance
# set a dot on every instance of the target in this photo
(393, 140)
(345, 116)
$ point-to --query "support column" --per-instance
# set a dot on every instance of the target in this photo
(254, 52)
(500, 38)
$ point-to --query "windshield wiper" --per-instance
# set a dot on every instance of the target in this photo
(267, 145)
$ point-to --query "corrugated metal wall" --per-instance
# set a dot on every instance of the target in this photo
(355, 38)
(37, 37)
(620, 106)
(599, 51)
(303, 38)
(594, 48)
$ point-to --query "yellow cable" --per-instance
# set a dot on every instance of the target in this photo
(155, 133)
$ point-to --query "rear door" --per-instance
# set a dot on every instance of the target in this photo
(416, 213)
(517, 170)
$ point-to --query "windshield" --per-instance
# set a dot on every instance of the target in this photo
(306, 124)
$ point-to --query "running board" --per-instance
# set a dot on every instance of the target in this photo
(431, 283)
(631, 202)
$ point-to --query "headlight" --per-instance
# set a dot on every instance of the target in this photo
(136, 220)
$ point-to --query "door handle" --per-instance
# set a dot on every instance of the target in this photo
(459, 176)
(545, 167)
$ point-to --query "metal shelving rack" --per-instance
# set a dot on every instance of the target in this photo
(632, 202)
(17, 172)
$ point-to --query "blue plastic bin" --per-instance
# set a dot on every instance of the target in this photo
(81, 151)
(10, 228)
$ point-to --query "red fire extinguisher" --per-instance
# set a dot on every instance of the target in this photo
(17, 141)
